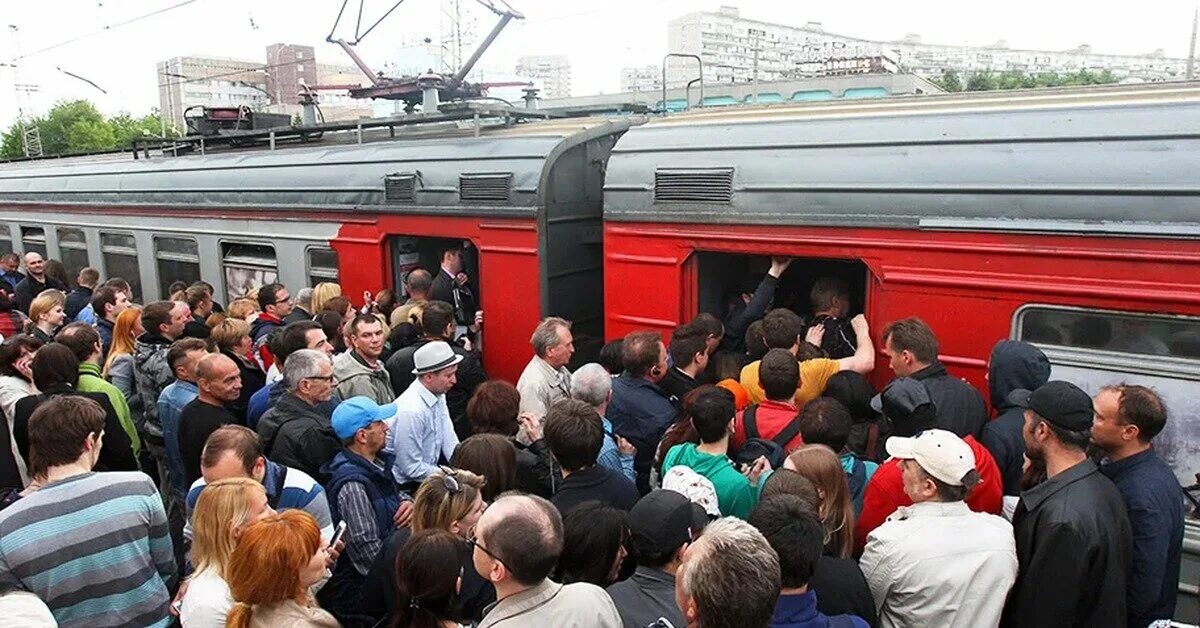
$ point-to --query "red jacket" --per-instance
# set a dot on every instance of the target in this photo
(770, 418)
(885, 493)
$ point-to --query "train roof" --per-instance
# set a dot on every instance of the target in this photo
(1105, 160)
(449, 166)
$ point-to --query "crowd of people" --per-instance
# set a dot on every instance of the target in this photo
(303, 461)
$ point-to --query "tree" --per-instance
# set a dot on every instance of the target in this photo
(75, 126)
(949, 81)
(981, 81)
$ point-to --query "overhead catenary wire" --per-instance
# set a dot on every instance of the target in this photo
(102, 30)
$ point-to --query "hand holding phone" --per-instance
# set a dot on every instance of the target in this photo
(337, 534)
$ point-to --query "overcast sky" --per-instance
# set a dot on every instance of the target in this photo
(600, 36)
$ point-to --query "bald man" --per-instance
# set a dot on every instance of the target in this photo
(35, 281)
(220, 382)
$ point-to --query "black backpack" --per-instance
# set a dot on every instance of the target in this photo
(772, 449)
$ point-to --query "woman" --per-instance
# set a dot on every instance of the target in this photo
(46, 315)
(428, 577)
(118, 367)
(221, 515)
(16, 383)
(270, 571)
(55, 371)
(823, 468)
(57, 270)
(491, 456)
(494, 408)
(595, 540)
(385, 302)
(322, 293)
(12, 321)
(449, 500)
(340, 305)
(232, 337)
(244, 308)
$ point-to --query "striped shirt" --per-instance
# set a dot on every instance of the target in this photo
(95, 547)
(287, 489)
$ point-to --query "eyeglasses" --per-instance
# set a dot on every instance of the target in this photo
(474, 542)
(327, 378)
(283, 300)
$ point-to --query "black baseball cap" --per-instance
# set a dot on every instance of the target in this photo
(1062, 403)
(663, 520)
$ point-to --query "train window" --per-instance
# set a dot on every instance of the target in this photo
(121, 260)
(6, 243)
(72, 248)
(1116, 332)
(322, 265)
(247, 268)
(178, 260)
(34, 240)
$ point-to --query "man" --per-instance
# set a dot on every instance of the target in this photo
(361, 493)
(297, 432)
(88, 313)
(912, 349)
(781, 330)
(640, 411)
(1013, 365)
(163, 322)
(730, 576)
(418, 285)
(422, 434)
(936, 563)
(102, 535)
(199, 301)
(85, 285)
(84, 342)
(1127, 419)
(275, 303)
(182, 357)
(776, 416)
(292, 338)
(592, 385)
(216, 306)
(35, 281)
(662, 523)
(712, 417)
(516, 545)
(574, 433)
(302, 310)
(437, 325)
(10, 271)
(793, 530)
(220, 383)
(546, 379)
(1073, 536)
(689, 357)
(748, 309)
(234, 451)
(825, 421)
(109, 302)
(359, 372)
(907, 405)
(451, 286)
(830, 297)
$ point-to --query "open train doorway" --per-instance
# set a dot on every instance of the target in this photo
(412, 252)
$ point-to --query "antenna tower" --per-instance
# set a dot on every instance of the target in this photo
(31, 137)
(458, 34)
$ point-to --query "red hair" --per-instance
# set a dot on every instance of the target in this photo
(265, 566)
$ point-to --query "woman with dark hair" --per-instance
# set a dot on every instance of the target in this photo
(12, 321)
(57, 270)
(55, 371)
(491, 456)
(16, 383)
(595, 540)
(428, 577)
(868, 429)
(495, 408)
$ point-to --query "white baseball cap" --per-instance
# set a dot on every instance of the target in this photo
(941, 454)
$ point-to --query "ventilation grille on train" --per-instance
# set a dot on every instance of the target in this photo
(400, 187)
(693, 185)
(485, 187)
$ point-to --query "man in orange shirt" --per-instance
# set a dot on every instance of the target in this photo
(782, 329)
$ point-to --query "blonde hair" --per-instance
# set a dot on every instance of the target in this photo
(437, 507)
(823, 468)
(242, 308)
(228, 332)
(44, 303)
(322, 293)
(223, 508)
(122, 338)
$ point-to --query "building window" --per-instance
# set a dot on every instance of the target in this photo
(178, 260)
(72, 248)
(6, 243)
(322, 265)
(1110, 332)
(247, 268)
(34, 240)
(121, 260)
(299, 67)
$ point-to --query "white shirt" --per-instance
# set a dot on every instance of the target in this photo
(421, 431)
(940, 564)
(207, 601)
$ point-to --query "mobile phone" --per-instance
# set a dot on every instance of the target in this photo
(177, 605)
(337, 533)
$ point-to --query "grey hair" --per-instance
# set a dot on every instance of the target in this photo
(591, 384)
(304, 298)
(302, 365)
(732, 574)
(545, 336)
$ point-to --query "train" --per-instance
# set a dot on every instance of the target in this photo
(1069, 218)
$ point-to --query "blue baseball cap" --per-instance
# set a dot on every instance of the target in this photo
(356, 413)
